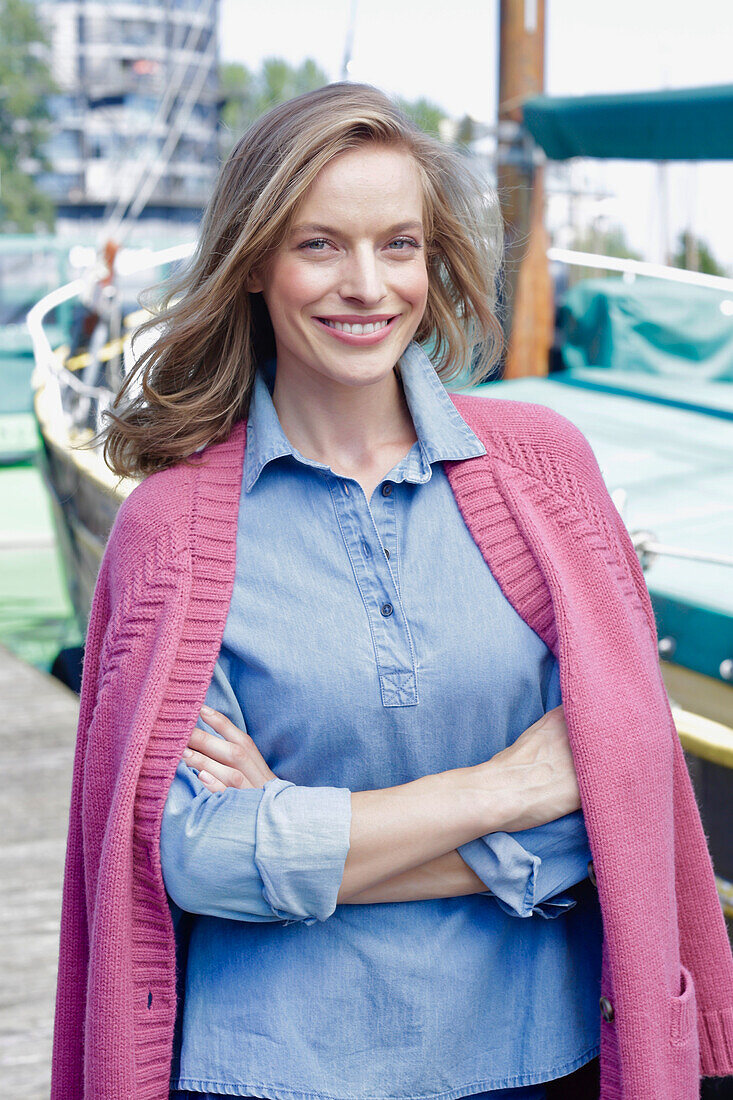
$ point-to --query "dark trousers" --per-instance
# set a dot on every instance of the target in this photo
(583, 1084)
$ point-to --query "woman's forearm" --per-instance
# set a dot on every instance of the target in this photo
(399, 829)
(447, 876)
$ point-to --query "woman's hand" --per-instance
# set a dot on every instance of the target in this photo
(234, 761)
(536, 773)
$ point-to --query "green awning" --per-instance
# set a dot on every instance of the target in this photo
(673, 124)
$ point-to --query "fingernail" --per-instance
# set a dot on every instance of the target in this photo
(207, 710)
(188, 753)
(205, 777)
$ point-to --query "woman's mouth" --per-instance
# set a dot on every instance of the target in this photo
(358, 332)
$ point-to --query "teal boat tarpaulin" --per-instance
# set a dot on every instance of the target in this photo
(650, 327)
(675, 465)
(672, 124)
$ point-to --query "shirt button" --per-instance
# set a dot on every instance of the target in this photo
(386, 489)
(606, 1009)
(386, 609)
(386, 551)
(592, 874)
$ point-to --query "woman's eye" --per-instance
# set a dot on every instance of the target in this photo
(403, 243)
(317, 245)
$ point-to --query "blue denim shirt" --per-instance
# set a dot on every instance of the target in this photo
(368, 644)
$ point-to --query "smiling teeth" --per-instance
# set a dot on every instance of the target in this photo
(357, 330)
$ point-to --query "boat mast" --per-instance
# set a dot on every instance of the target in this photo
(527, 291)
(349, 40)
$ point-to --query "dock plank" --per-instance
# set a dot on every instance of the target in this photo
(38, 737)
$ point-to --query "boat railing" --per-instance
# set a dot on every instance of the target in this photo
(130, 261)
(631, 268)
(48, 363)
(648, 548)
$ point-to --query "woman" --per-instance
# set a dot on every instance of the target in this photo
(348, 851)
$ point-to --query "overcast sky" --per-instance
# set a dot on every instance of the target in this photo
(448, 53)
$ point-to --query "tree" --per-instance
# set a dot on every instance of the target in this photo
(25, 81)
(694, 254)
(426, 114)
(247, 95)
(610, 241)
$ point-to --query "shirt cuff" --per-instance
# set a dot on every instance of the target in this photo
(528, 877)
(302, 840)
(508, 869)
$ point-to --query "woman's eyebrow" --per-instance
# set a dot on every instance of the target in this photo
(312, 227)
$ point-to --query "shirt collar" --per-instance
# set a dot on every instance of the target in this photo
(441, 431)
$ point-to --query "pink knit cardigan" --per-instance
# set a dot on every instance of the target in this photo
(538, 509)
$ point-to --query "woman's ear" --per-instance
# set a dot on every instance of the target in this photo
(253, 282)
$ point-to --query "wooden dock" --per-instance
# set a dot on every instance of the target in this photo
(38, 735)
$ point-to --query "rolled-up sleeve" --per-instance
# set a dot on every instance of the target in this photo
(259, 854)
(301, 844)
(272, 853)
(528, 871)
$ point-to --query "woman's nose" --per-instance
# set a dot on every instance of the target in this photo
(362, 278)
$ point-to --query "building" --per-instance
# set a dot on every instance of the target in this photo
(136, 119)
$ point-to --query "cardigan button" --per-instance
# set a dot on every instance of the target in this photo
(592, 874)
(606, 1009)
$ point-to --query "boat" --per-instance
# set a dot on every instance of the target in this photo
(72, 386)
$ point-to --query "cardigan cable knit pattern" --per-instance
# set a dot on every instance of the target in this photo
(538, 510)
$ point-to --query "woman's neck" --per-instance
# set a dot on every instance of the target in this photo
(351, 429)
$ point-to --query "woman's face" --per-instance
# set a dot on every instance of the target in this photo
(348, 287)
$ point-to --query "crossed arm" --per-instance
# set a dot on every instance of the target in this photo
(314, 848)
(231, 759)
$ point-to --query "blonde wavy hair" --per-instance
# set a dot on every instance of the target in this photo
(194, 380)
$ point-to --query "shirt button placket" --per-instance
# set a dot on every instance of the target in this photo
(388, 525)
(379, 587)
(400, 684)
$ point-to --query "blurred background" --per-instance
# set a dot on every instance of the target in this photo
(606, 131)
